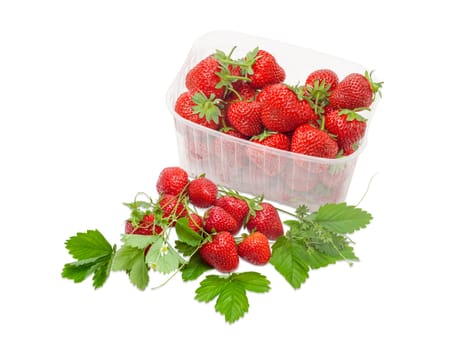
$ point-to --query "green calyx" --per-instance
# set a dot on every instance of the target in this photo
(352, 114)
(263, 136)
(375, 86)
(207, 107)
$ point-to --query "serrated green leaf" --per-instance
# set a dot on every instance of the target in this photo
(101, 274)
(232, 302)
(287, 260)
(80, 270)
(86, 245)
(162, 257)
(341, 218)
(186, 234)
(126, 257)
(252, 281)
(138, 275)
(210, 288)
(194, 268)
(138, 241)
(185, 249)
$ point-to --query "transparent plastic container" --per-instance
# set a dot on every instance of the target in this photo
(283, 177)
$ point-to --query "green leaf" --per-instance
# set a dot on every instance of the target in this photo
(194, 268)
(341, 218)
(163, 257)
(80, 270)
(138, 241)
(138, 275)
(126, 257)
(253, 281)
(232, 302)
(287, 260)
(186, 234)
(185, 249)
(86, 245)
(210, 288)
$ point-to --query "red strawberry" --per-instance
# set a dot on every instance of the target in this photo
(245, 117)
(216, 219)
(255, 249)
(204, 77)
(282, 108)
(172, 180)
(195, 222)
(267, 221)
(145, 227)
(221, 252)
(171, 207)
(266, 70)
(198, 108)
(314, 142)
(348, 126)
(202, 192)
(273, 139)
(236, 207)
(244, 91)
(327, 75)
(354, 91)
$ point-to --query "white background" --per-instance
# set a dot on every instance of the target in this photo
(84, 126)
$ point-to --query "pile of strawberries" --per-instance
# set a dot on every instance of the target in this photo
(247, 98)
(225, 214)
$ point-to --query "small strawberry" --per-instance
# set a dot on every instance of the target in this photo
(355, 91)
(199, 109)
(313, 142)
(328, 77)
(216, 219)
(221, 252)
(202, 192)
(255, 249)
(348, 126)
(282, 108)
(172, 207)
(146, 227)
(267, 221)
(273, 139)
(236, 207)
(195, 222)
(172, 180)
(265, 69)
(245, 117)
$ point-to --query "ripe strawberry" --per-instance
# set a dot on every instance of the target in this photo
(282, 109)
(146, 227)
(255, 249)
(245, 117)
(327, 75)
(273, 139)
(197, 108)
(202, 192)
(314, 142)
(267, 221)
(216, 219)
(195, 222)
(266, 70)
(221, 252)
(354, 91)
(244, 91)
(171, 207)
(172, 180)
(204, 77)
(236, 207)
(348, 126)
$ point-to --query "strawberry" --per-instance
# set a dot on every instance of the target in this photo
(216, 219)
(255, 249)
(348, 126)
(314, 142)
(197, 108)
(282, 109)
(146, 227)
(236, 207)
(267, 221)
(244, 92)
(172, 180)
(354, 91)
(273, 139)
(221, 252)
(172, 207)
(195, 222)
(265, 69)
(328, 77)
(202, 192)
(245, 117)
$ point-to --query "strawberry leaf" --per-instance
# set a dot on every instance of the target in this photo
(131, 260)
(194, 268)
(86, 245)
(163, 257)
(342, 218)
(138, 241)
(186, 234)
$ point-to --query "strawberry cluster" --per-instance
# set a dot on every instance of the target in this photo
(249, 99)
(225, 214)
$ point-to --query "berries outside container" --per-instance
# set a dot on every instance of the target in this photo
(288, 178)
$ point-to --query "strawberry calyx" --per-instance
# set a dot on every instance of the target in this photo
(254, 203)
(375, 86)
(352, 114)
(263, 135)
(207, 107)
(317, 95)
